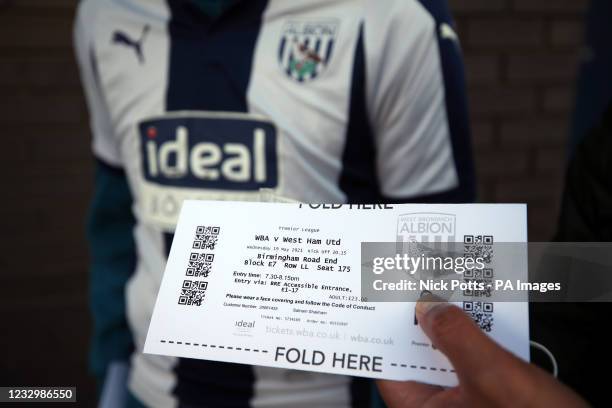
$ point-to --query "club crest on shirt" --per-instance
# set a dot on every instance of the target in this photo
(306, 48)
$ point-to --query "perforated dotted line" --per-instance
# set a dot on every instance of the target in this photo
(187, 343)
(416, 367)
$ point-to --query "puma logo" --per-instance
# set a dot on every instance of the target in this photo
(447, 32)
(119, 37)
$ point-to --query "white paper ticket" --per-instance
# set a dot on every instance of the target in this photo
(280, 285)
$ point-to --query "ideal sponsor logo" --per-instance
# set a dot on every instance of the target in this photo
(222, 153)
(243, 327)
(243, 324)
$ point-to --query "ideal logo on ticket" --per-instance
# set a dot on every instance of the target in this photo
(332, 288)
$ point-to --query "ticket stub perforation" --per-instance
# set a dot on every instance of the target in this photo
(280, 285)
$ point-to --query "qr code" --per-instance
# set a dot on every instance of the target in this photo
(199, 264)
(206, 237)
(484, 273)
(479, 246)
(486, 290)
(483, 277)
(192, 293)
(481, 312)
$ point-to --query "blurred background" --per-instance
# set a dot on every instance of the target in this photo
(521, 58)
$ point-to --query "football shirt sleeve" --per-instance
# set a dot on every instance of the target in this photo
(104, 143)
(415, 94)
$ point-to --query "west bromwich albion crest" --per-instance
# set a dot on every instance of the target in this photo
(306, 48)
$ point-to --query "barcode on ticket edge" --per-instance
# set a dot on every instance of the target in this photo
(479, 246)
(192, 293)
(484, 273)
(479, 276)
(206, 237)
(481, 313)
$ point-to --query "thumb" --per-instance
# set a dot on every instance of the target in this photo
(490, 375)
(469, 350)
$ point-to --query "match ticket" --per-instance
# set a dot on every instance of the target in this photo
(281, 285)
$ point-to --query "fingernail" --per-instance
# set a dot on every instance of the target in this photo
(427, 302)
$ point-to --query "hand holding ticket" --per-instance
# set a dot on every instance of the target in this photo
(488, 374)
(292, 285)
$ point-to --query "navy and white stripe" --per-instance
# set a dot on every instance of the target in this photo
(205, 74)
(372, 109)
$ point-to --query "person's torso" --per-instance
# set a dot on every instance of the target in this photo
(264, 97)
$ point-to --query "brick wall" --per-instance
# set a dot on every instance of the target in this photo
(521, 57)
(521, 60)
(46, 178)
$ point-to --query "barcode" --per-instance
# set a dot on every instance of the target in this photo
(479, 246)
(481, 313)
(199, 264)
(192, 293)
(484, 277)
(206, 237)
